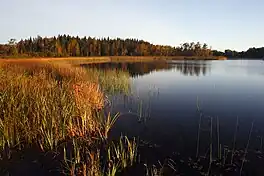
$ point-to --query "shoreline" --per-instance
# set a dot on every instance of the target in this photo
(113, 58)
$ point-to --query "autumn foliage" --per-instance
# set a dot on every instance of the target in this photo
(68, 46)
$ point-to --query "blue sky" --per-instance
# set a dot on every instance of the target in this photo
(223, 24)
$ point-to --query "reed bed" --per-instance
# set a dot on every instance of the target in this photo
(111, 81)
(58, 107)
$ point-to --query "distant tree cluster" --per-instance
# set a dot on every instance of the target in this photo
(250, 53)
(67, 46)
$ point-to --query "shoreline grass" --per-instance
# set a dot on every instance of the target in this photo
(112, 58)
(57, 108)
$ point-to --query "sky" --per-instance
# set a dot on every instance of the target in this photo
(222, 24)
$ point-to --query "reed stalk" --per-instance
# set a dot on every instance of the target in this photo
(234, 141)
(211, 147)
(246, 149)
(218, 138)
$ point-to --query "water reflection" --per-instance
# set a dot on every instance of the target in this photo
(136, 69)
(162, 108)
(193, 68)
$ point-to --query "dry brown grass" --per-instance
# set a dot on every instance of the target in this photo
(50, 105)
(110, 58)
(36, 96)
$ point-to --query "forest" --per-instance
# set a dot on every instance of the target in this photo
(254, 53)
(70, 46)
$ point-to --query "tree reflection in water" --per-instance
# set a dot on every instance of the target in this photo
(136, 69)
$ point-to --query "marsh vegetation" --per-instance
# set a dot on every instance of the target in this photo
(53, 122)
(71, 118)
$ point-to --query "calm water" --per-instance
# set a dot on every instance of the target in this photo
(163, 107)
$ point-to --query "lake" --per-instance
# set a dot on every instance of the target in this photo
(169, 100)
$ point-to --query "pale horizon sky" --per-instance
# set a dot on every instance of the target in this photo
(222, 24)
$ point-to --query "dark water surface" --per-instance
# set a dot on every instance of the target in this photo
(168, 97)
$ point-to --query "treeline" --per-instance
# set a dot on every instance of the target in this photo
(67, 46)
(250, 53)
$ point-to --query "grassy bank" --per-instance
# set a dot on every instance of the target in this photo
(52, 114)
(115, 58)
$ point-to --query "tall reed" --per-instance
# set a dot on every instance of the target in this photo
(246, 149)
(234, 141)
(55, 107)
(211, 146)
(199, 127)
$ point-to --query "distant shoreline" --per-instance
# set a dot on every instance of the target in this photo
(245, 58)
(113, 58)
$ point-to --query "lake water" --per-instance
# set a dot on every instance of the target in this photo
(168, 98)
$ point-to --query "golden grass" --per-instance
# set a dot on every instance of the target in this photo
(49, 105)
(111, 58)
(37, 96)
